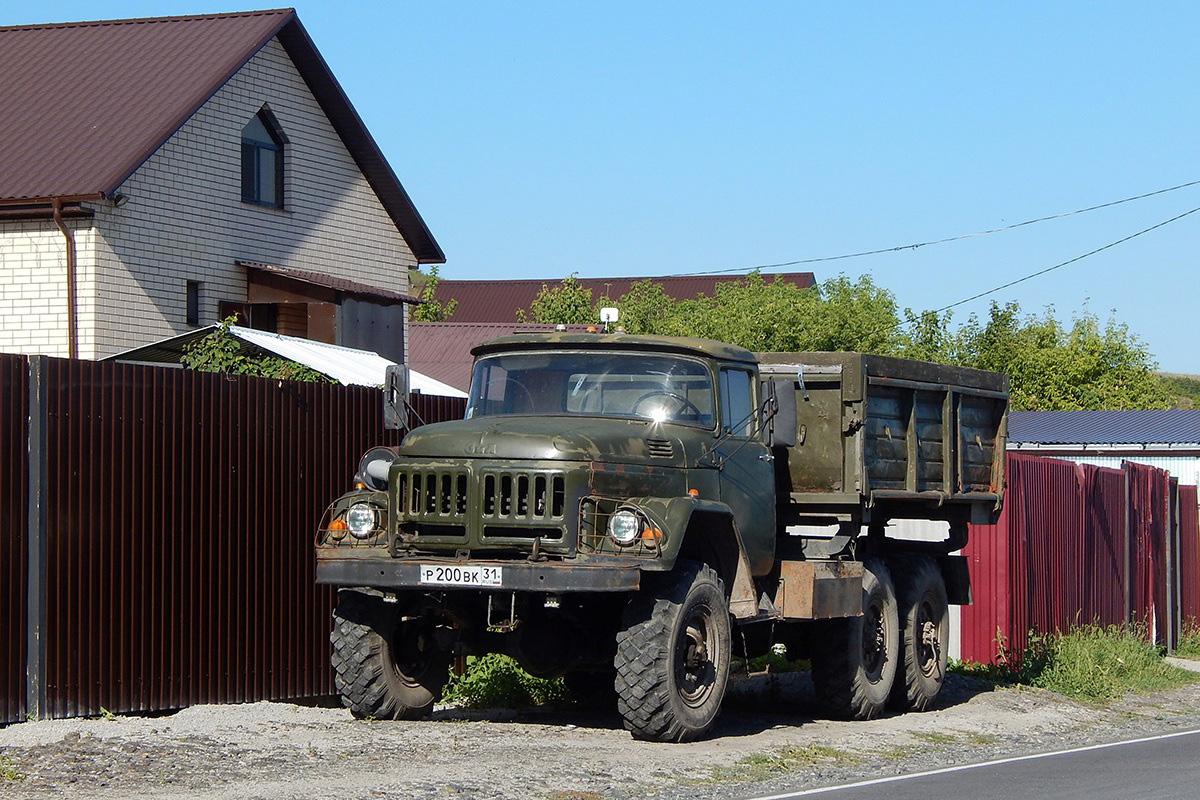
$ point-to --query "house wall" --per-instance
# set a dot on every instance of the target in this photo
(185, 220)
(33, 280)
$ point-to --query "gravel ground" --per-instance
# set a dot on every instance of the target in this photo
(769, 737)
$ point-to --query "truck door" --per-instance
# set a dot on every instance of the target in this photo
(747, 476)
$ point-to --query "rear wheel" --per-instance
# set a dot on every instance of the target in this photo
(855, 659)
(925, 632)
(385, 666)
(672, 657)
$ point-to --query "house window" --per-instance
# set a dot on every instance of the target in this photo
(193, 302)
(262, 161)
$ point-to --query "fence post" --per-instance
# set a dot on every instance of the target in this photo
(1128, 528)
(35, 621)
(1172, 550)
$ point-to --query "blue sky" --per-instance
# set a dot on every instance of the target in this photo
(622, 138)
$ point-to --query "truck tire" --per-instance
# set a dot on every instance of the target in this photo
(924, 633)
(385, 668)
(854, 660)
(673, 654)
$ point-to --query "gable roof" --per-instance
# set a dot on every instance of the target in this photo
(442, 350)
(498, 301)
(337, 285)
(1104, 427)
(86, 103)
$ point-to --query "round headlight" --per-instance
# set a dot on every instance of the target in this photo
(625, 527)
(360, 518)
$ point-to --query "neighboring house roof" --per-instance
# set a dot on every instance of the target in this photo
(1104, 427)
(330, 282)
(442, 350)
(344, 364)
(498, 301)
(86, 103)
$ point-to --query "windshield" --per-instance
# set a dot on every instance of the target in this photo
(593, 384)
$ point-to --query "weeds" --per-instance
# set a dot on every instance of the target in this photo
(1189, 640)
(496, 681)
(1091, 663)
(574, 794)
(8, 772)
(774, 661)
(761, 766)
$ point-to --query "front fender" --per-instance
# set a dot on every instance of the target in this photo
(704, 530)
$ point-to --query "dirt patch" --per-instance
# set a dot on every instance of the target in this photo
(770, 735)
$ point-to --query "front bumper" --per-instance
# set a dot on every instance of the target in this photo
(521, 576)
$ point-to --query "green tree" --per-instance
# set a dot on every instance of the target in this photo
(1184, 389)
(429, 309)
(569, 303)
(1053, 367)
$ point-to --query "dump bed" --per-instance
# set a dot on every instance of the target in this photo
(910, 438)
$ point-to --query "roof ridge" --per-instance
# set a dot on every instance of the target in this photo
(98, 23)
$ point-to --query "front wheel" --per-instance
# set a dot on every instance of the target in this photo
(672, 657)
(385, 666)
(855, 659)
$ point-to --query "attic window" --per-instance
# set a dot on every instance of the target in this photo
(262, 161)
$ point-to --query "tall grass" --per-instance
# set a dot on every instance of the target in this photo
(1091, 663)
(1189, 640)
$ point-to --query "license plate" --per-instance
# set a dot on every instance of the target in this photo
(460, 576)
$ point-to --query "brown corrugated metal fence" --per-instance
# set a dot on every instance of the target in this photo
(1080, 544)
(14, 397)
(179, 514)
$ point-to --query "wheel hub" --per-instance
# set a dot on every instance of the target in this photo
(694, 668)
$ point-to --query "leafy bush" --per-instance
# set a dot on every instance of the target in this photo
(220, 351)
(496, 681)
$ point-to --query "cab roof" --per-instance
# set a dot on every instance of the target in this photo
(615, 341)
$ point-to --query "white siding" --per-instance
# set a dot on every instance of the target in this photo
(1186, 468)
(185, 220)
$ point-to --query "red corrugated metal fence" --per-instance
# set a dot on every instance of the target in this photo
(1080, 544)
(1189, 554)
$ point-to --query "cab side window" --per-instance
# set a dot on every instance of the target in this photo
(737, 401)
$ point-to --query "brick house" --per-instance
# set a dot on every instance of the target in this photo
(157, 174)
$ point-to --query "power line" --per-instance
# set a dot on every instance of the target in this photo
(958, 238)
(1067, 262)
(901, 323)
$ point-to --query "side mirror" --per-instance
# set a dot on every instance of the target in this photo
(395, 397)
(781, 428)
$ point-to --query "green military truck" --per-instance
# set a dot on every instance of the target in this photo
(632, 512)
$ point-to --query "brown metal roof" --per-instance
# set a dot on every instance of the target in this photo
(442, 350)
(498, 301)
(84, 104)
(329, 282)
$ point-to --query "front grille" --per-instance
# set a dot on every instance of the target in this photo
(523, 496)
(436, 496)
(492, 505)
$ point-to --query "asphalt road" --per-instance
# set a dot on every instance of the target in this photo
(1163, 767)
